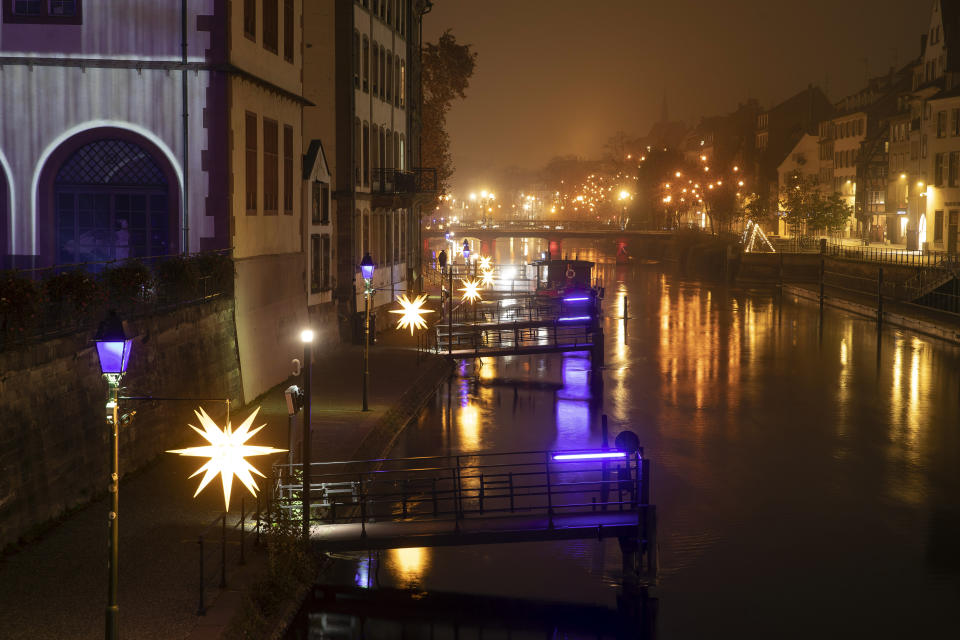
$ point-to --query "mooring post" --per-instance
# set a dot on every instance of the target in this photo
(879, 296)
(546, 461)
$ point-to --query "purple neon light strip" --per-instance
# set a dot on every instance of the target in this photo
(595, 455)
(573, 319)
(575, 299)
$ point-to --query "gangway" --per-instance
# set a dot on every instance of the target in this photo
(479, 498)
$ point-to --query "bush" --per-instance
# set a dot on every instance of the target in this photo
(127, 283)
(175, 280)
(19, 303)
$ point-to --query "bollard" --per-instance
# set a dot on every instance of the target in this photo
(223, 551)
(201, 609)
(243, 532)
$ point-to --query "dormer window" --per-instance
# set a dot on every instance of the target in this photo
(42, 11)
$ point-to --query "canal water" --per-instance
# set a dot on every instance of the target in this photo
(806, 469)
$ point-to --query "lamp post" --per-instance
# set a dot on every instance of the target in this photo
(113, 351)
(466, 256)
(306, 337)
(366, 270)
(624, 196)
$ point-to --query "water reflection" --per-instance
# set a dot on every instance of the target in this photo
(791, 458)
(408, 566)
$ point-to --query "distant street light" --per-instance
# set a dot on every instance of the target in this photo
(113, 351)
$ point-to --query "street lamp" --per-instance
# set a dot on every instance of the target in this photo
(113, 351)
(306, 337)
(624, 196)
(366, 270)
(466, 251)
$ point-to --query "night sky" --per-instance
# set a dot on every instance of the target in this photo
(560, 76)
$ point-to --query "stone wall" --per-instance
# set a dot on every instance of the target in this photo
(54, 442)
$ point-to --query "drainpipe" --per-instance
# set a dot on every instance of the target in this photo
(184, 203)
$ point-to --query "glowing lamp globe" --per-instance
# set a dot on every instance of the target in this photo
(113, 345)
(366, 267)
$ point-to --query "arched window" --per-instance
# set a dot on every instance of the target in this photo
(374, 69)
(403, 157)
(383, 154)
(366, 150)
(389, 12)
(383, 64)
(111, 203)
(5, 221)
(356, 59)
(396, 149)
(366, 63)
(389, 79)
(403, 84)
(375, 156)
(357, 151)
(389, 150)
(396, 81)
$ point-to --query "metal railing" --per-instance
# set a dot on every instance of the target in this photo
(47, 302)
(939, 291)
(518, 338)
(397, 182)
(456, 487)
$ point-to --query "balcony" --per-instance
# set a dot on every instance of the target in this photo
(395, 185)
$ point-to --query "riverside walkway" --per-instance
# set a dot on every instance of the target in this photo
(54, 586)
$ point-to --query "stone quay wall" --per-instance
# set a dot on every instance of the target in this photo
(54, 441)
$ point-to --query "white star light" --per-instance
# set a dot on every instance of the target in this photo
(486, 279)
(226, 451)
(485, 263)
(471, 290)
(412, 311)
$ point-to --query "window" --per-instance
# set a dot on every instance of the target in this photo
(401, 18)
(270, 27)
(403, 161)
(288, 170)
(383, 63)
(250, 19)
(366, 64)
(321, 203)
(955, 122)
(938, 169)
(251, 163)
(396, 80)
(403, 83)
(374, 68)
(288, 30)
(366, 148)
(938, 226)
(396, 150)
(319, 263)
(954, 172)
(389, 11)
(271, 165)
(941, 124)
(357, 152)
(388, 150)
(389, 77)
(42, 11)
(356, 59)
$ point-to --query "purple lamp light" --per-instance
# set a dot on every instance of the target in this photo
(366, 267)
(113, 346)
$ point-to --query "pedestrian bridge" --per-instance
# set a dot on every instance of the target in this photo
(479, 498)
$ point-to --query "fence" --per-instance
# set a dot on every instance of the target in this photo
(933, 288)
(48, 302)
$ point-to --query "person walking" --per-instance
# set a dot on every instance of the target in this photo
(442, 260)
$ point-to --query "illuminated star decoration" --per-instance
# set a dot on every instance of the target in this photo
(471, 290)
(226, 451)
(486, 279)
(484, 263)
(412, 311)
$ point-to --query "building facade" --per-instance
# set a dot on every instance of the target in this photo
(138, 129)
